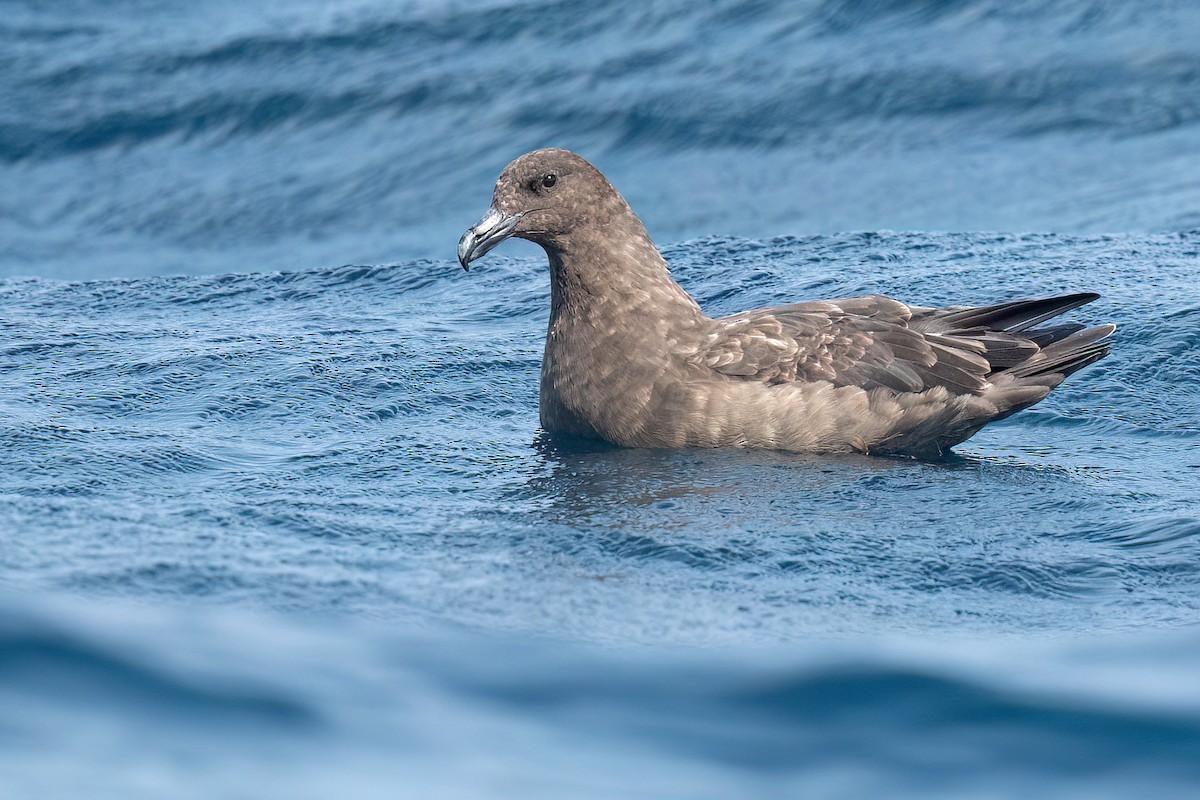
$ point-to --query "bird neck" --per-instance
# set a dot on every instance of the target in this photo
(614, 270)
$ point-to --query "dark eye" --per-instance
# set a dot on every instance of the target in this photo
(549, 179)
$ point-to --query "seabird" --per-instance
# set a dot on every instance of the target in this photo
(632, 359)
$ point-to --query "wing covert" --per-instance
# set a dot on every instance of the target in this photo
(862, 342)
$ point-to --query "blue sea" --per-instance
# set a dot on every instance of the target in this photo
(276, 517)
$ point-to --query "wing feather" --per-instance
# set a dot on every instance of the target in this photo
(876, 342)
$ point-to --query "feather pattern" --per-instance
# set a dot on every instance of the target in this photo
(876, 344)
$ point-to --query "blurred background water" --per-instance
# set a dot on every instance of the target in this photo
(271, 525)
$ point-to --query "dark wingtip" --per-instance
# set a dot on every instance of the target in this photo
(1017, 316)
(1052, 307)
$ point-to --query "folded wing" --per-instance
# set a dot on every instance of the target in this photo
(875, 342)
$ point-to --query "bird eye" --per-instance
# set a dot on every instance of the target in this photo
(549, 179)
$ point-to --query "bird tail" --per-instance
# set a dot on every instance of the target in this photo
(1067, 355)
(1021, 386)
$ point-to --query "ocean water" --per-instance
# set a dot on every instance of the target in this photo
(276, 518)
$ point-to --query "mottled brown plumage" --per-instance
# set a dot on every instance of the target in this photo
(632, 359)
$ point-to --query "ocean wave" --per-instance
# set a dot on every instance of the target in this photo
(193, 141)
(1028, 96)
(380, 708)
(60, 667)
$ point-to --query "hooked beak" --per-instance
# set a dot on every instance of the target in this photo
(492, 229)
